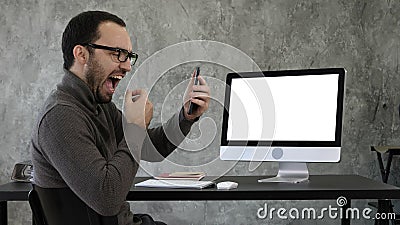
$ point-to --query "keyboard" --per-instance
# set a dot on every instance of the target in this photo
(154, 183)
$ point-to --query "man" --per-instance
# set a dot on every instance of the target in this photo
(78, 143)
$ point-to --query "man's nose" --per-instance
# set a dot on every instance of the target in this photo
(126, 66)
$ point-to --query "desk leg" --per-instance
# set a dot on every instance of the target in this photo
(3, 213)
(381, 167)
(384, 206)
(345, 220)
(388, 165)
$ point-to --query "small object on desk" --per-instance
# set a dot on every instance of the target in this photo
(383, 149)
(181, 176)
(192, 184)
(226, 185)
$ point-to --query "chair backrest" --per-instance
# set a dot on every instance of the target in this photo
(36, 207)
(60, 206)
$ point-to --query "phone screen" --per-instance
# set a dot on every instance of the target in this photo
(193, 106)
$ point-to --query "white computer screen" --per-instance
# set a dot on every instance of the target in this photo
(283, 108)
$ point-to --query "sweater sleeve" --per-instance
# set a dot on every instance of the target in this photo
(68, 143)
(163, 140)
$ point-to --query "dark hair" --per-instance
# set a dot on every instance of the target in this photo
(83, 29)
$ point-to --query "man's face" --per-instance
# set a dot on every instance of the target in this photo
(104, 71)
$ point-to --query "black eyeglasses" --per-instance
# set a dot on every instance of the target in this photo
(122, 56)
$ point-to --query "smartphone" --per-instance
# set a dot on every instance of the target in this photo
(193, 106)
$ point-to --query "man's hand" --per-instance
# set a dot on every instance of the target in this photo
(138, 110)
(198, 95)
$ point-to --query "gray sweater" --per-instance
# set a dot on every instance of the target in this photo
(80, 144)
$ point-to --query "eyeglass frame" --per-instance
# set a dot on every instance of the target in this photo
(131, 55)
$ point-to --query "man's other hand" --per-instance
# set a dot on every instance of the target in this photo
(198, 95)
(138, 109)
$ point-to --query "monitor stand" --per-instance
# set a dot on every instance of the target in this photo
(289, 172)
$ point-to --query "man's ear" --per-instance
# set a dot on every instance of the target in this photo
(81, 54)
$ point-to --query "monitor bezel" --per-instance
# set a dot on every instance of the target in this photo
(339, 112)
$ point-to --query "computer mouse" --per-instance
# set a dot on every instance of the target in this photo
(225, 185)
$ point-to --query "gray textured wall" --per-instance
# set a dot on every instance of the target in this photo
(362, 36)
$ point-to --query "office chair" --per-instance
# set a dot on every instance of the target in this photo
(37, 211)
(60, 206)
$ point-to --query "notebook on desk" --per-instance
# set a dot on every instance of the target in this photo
(181, 176)
(154, 183)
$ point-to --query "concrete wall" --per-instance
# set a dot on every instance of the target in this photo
(362, 36)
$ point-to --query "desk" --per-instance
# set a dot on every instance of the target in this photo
(320, 187)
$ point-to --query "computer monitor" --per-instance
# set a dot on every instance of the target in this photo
(292, 117)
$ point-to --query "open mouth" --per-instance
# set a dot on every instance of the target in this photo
(112, 82)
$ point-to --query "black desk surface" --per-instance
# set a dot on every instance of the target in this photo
(318, 187)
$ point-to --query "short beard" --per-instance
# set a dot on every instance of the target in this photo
(94, 71)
